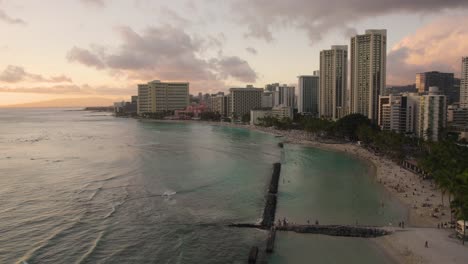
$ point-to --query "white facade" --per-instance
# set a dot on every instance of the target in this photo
(399, 113)
(308, 97)
(368, 72)
(242, 100)
(333, 80)
(464, 84)
(278, 112)
(255, 115)
(283, 95)
(432, 115)
(157, 96)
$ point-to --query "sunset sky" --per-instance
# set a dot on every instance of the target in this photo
(87, 48)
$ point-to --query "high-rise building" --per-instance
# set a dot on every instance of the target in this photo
(268, 99)
(134, 99)
(287, 94)
(283, 95)
(399, 113)
(245, 99)
(308, 97)
(432, 114)
(445, 82)
(368, 72)
(157, 96)
(333, 80)
(464, 84)
(220, 103)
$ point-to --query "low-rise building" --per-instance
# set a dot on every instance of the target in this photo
(457, 117)
(278, 112)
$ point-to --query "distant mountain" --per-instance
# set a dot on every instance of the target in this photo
(68, 102)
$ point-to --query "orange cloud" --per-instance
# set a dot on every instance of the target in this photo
(437, 46)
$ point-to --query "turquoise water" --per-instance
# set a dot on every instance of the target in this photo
(332, 188)
(86, 187)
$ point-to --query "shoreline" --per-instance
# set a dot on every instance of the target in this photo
(420, 198)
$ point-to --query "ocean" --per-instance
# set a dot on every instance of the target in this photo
(84, 187)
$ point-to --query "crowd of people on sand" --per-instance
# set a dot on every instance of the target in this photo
(420, 194)
(285, 222)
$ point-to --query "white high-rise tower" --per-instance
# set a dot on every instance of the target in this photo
(368, 72)
(333, 79)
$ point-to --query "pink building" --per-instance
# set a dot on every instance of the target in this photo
(192, 111)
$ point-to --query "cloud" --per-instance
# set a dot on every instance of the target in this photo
(72, 89)
(251, 50)
(85, 57)
(95, 3)
(15, 74)
(320, 16)
(236, 68)
(437, 46)
(165, 53)
(10, 20)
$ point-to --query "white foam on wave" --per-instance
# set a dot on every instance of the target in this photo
(169, 193)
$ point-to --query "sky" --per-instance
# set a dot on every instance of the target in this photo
(87, 48)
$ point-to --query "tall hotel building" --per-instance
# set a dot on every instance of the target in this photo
(157, 96)
(308, 97)
(245, 99)
(333, 79)
(464, 84)
(281, 95)
(368, 72)
(432, 114)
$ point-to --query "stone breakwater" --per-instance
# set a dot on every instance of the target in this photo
(336, 230)
(269, 211)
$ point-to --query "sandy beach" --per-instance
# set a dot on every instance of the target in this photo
(421, 197)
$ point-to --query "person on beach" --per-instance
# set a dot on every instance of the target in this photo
(426, 244)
